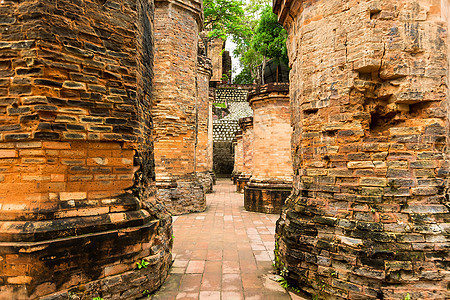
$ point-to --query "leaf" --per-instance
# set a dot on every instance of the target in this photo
(220, 105)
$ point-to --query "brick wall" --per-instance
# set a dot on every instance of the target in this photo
(204, 115)
(272, 133)
(210, 149)
(76, 158)
(223, 159)
(177, 25)
(238, 154)
(214, 50)
(271, 177)
(226, 123)
(245, 163)
(246, 125)
(369, 215)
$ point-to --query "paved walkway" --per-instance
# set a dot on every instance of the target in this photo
(223, 253)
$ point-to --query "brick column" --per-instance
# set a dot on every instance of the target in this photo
(177, 25)
(369, 216)
(246, 125)
(215, 49)
(204, 113)
(271, 180)
(238, 159)
(210, 148)
(76, 154)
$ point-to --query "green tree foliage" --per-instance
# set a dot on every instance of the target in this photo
(267, 41)
(244, 77)
(270, 37)
(249, 60)
(254, 29)
(224, 18)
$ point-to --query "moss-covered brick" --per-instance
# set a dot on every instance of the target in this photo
(387, 138)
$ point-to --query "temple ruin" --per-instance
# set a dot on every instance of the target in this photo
(180, 89)
(269, 182)
(116, 115)
(369, 214)
(77, 197)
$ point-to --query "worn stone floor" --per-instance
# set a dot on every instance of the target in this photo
(223, 253)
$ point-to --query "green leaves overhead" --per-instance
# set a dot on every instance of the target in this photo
(270, 37)
(223, 18)
(253, 27)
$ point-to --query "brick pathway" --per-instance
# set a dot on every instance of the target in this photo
(223, 253)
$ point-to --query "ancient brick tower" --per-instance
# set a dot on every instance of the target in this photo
(204, 143)
(177, 27)
(369, 217)
(271, 177)
(246, 125)
(238, 159)
(76, 151)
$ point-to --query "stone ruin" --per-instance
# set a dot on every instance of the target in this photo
(181, 97)
(266, 178)
(89, 158)
(369, 214)
(107, 129)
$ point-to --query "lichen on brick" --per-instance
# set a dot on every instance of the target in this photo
(369, 100)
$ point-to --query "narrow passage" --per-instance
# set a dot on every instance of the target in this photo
(223, 253)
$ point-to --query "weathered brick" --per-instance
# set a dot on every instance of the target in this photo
(74, 85)
(373, 181)
(396, 160)
(8, 153)
(360, 164)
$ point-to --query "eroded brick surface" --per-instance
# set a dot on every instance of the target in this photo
(369, 217)
(204, 143)
(76, 153)
(177, 25)
(270, 180)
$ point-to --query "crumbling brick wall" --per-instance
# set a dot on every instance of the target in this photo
(271, 177)
(76, 158)
(203, 157)
(177, 26)
(369, 215)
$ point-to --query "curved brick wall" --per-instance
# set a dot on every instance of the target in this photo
(203, 157)
(368, 218)
(246, 125)
(76, 156)
(271, 180)
(238, 157)
(177, 25)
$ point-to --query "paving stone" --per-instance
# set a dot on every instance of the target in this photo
(195, 266)
(228, 268)
(209, 295)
